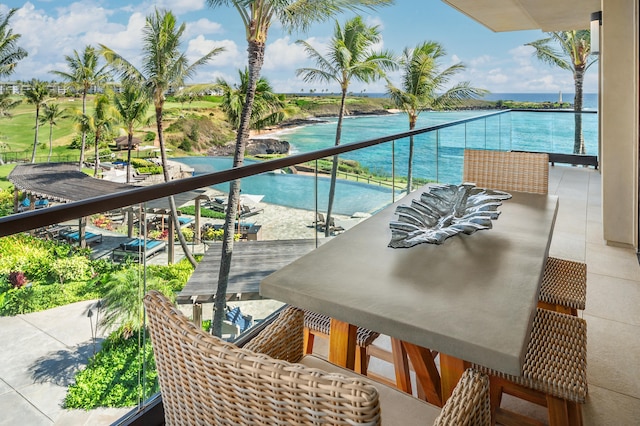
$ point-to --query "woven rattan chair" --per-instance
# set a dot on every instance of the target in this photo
(205, 380)
(554, 373)
(564, 286)
(318, 325)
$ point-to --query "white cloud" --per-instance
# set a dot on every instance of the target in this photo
(480, 60)
(374, 20)
(202, 26)
(182, 6)
(230, 57)
(285, 55)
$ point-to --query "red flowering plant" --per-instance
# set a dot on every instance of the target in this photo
(101, 221)
(17, 279)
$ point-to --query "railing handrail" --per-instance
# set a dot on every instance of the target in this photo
(33, 219)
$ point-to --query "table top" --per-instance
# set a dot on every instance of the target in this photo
(472, 297)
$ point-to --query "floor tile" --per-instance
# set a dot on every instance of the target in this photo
(612, 355)
(615, 299)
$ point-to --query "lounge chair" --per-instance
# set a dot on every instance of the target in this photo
(247, 211)
(74, 237)
(136, 248)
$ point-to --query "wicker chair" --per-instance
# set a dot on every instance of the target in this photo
(554, 372)
(205, 380)
(564, 285)
(318, 325)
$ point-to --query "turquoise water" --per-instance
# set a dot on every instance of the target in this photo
(437, 155)
(298, 191)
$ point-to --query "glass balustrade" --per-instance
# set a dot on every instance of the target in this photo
(72, 275)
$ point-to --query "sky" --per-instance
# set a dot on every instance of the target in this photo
(498, 62)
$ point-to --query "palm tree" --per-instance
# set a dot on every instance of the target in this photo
(163, 67)
(574, 56)
(350, 56)
(257, 17)
(122, 301)
(38, 95)
(84, 73)
(423, 86)
(132, 105)
(99, 123)
(10, 52)
(268, 107)
(6, 105)
(51, 114)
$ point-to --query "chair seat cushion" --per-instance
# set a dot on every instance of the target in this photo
(322, 323)
(556, 358)
(396, 407)
(564, 283)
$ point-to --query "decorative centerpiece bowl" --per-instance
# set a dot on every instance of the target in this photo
(444, 211)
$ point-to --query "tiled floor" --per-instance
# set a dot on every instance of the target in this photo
(613, 302)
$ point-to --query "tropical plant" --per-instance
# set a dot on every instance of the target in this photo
(350, 57)
(424, 86)
(84, 73)
(51, 114)
(163, 67)
(257, 17)
(132, 105)
(574, 56)
(10, 52)
(38, 95)
(122, 302)
(268, 107)
(99, 122)
(7, 103)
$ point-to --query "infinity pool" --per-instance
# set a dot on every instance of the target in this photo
(298, 191)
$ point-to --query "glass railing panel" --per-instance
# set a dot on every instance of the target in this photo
(283, 205)
(554, 132)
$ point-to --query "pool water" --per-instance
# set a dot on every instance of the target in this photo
(298, 191)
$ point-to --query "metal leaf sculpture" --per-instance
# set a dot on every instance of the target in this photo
(444, 211)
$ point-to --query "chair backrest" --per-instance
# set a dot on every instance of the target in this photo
(205, 380)
(507, 171)
(469, 404)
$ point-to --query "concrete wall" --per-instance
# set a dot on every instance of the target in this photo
(619, 112)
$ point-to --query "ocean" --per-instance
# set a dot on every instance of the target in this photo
(438, 155)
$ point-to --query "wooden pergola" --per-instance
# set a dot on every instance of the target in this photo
(65, 183)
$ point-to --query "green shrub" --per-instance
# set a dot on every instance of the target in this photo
(204, 212)
(111, 379)
(152, 170)
(149, 137)
(71, 268)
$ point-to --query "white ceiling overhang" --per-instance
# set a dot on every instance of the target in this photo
(515, 15)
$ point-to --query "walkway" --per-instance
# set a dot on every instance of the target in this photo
(40, 353)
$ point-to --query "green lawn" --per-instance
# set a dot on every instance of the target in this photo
(4, 172)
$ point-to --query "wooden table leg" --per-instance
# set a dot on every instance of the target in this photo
(451, 369)
(342, 344)
(426, 372)
(401, 365)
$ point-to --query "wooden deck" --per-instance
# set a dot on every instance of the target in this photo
(251, 262)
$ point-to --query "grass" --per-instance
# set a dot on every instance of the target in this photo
(4, 172)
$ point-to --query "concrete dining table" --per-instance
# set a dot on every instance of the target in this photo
(471, 298)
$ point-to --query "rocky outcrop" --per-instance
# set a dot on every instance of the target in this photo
(254, 147)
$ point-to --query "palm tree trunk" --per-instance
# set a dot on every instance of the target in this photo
(256, 59)
(35, 140)
(578, 144)
(95, 152)
(129, 143)
(334, 167)
(172, 201)
(50, 142)
(412, 125)
(84, 133)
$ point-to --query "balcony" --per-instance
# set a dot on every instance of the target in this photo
(611, 314)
